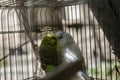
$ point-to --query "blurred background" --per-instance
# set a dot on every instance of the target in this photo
(94, 25)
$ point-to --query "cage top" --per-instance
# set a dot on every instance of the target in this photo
(39, 3)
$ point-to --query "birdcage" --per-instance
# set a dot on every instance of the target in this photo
(94, 25)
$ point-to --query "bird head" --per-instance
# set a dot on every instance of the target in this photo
(50, 39)
(64, 39)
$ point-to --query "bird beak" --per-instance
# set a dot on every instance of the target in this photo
(59, 34)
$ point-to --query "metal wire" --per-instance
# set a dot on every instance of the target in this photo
(17, 60)
(41, 3)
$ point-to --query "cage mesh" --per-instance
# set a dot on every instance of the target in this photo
(17, 57)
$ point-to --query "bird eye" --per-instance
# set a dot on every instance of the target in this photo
(52, 37)
(60, 37)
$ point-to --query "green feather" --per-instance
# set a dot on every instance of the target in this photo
(50, 68)
(48, 53)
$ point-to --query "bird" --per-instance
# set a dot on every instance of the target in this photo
(68, 48)
(70, 52)
(48, 53)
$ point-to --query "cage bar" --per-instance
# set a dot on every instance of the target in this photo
(80, 18)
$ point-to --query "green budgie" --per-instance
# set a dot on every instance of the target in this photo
(70, 52)
(48, 53)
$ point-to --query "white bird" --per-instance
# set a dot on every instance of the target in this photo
(70, 52)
